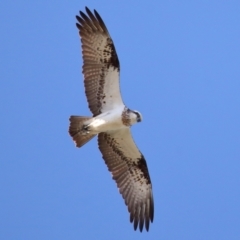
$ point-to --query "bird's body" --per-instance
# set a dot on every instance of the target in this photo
(111, 120)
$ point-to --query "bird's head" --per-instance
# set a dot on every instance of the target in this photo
(135, 116)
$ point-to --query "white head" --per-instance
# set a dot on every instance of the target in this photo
(135, 116)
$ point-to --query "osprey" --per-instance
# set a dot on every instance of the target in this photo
(111, 120)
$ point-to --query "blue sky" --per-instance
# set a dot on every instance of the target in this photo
(180, 67)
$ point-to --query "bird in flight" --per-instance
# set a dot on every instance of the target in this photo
(111, 119)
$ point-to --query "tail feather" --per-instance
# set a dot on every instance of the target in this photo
(75, 130)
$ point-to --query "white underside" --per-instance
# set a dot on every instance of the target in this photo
(108, 121)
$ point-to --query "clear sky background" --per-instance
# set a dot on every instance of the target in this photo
(180, 67)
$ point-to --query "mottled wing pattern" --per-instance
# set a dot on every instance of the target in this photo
(100, 63)
(129, 170)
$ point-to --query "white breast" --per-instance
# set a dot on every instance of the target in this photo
(108, 121)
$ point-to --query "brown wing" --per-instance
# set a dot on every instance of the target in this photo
(129, 170)
(100, 63)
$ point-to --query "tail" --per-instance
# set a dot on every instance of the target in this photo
(75, 130)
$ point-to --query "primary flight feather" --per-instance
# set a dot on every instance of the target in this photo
(111, 119)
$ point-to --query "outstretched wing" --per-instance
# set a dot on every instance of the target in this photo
(100, 64)
(129, 170)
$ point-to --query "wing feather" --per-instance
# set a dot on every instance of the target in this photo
(100, 63)
(129, 170)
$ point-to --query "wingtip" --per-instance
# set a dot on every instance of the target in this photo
(96, 12)
(151, 208)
